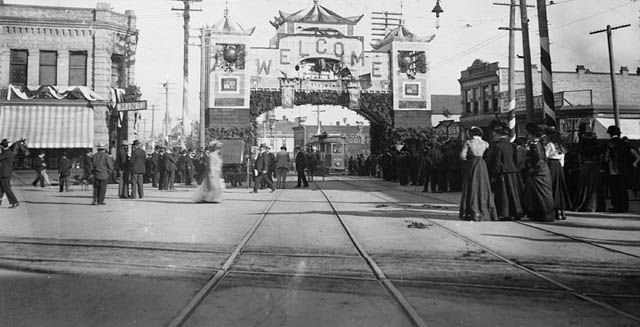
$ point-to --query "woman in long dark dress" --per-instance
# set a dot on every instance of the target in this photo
(589, 196)
(555, 160)
(538, 195)
(477, 200)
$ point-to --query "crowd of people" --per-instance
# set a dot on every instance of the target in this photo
(538, 176)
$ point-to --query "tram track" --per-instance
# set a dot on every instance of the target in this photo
(378, 275)
(585, 296)
(578, 239)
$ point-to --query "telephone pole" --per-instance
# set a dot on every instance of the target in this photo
(526, 48)
(616, 113)
(166, 111)
(548, 101)
(186, 15)
(512, 54)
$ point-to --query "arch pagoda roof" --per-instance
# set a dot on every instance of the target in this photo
(317, 14)
(401, 34)
(228, 27)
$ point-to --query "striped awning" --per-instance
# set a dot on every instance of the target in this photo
(48, 126)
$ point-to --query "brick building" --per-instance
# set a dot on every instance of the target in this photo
(58, 69)
(583, 98)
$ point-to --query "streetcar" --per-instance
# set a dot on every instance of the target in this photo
(330, 154)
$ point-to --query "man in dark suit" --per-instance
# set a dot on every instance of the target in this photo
(505, 176)
(263, 162)
(123, 166)
(618, 159)
(102, 165)
(7, 158)
(64, 171)
(138, 169)
(301, 164)
(155, 158)
(161, 169)
(39, 166)
(169, 162)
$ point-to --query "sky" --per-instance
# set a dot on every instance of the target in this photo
(468, 30)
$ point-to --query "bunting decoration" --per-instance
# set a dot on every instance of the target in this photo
(52, 92)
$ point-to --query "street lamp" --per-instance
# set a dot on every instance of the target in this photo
(437, 9)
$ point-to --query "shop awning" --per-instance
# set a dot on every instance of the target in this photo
(48, 126)
(628, 127)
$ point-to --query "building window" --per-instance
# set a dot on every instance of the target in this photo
(117, 71)
(18, 69)
(486, 99)
(48, 67)
(495, 97)
(476, 100)
(467, 101)
(78, 68)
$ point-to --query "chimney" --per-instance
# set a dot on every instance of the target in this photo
(624, 70)
(580, 69)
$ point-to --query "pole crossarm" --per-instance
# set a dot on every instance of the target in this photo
(612, 28)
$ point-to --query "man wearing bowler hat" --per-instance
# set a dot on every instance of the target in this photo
(263, 162)
(102, 167)
(301, 164)
(138, 169)
(618, 160)
(7, 157)
(123, 166)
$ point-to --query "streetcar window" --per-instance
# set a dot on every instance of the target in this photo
(337, 148)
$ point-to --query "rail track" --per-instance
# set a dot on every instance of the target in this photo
(217, 279)
(585, 296)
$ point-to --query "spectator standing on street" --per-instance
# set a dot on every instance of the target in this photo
(123, 168)
(618, 160)
(138, 169)
(589, 196)
(538, 195)
(87, 169)
(64, 171)
(506, 183)
(155, 161)
(170, 164)
(476, 203)
(301, 164)
(555, 159)
(7, 158)
(39, 165)
(102, 165)
(283, 162)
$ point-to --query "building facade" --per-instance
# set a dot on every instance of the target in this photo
(583, 99)
(60, 71)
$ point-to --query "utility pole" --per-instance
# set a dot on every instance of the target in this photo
(204, 75)
(616, 113)
(166, 112)
(512, 54)
(548, 101)
(318, 111)
(186, 15)
(526, 48)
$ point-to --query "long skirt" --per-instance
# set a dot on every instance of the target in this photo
(561, 198)
(477, 201)
(508, 195)
(538, 195)
(588, 196)
(210, 190)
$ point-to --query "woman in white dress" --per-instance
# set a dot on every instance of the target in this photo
(212, 184)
